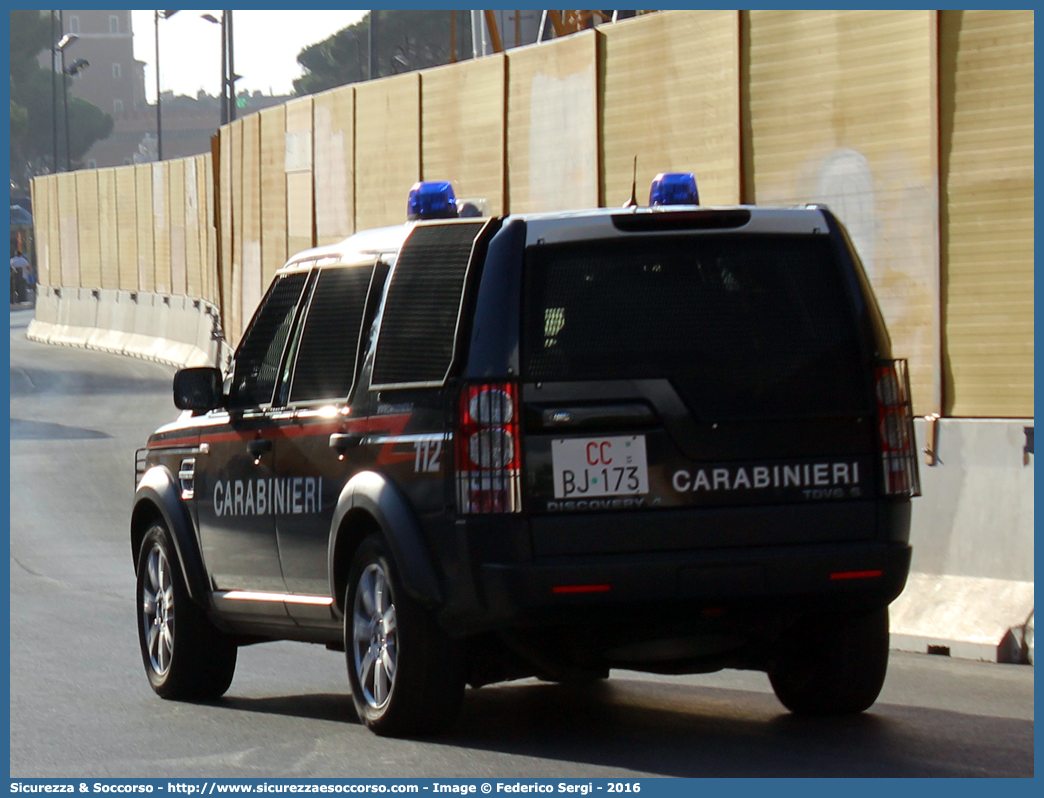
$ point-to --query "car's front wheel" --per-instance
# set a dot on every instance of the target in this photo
(185, 656)
(832, 664)
(407, 676)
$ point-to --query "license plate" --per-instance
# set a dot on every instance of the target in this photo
(585, 467)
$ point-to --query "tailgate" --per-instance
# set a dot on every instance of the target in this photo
(691, 373)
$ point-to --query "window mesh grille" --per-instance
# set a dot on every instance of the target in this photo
(743, 326)
(420, 314)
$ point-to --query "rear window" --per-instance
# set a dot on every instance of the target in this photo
(744, 326)
(330, 341)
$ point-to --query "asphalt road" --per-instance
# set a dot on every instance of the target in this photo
(81, 706)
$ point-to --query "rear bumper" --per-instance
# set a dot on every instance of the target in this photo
(855, 576)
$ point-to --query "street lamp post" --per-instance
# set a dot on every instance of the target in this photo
(73, 69)
(373, 67)
(54, 96)
(228, 75)
(66, 40)
(224, 65)
(159, 115)
(65, 112)
(232, 76)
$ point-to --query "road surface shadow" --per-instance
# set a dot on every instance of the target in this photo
(29, 382)
(684, 731)
(679, 730)
(317, 706)
(47, 431)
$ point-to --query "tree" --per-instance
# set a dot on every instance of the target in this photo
(30, 33)
(32, 120)
(406, 41)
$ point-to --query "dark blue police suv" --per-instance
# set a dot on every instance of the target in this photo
(465, 450)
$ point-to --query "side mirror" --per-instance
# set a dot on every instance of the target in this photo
(197, 389)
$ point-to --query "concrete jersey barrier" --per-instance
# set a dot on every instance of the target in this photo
(177, 330)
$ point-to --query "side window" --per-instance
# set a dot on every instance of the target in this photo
(259, 354)
(329, 346)
(423, 302)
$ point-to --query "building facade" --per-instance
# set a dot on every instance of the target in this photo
(113, 80)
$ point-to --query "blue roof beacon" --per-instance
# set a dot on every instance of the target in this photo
(433, 199)
(674, 188)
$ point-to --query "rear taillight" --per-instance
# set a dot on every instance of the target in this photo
(895, 431)
(489, 449)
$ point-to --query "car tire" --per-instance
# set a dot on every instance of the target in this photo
(185, 656)
(832, 664)
(407, 676)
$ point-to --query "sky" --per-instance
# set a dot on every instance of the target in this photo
(265, 48)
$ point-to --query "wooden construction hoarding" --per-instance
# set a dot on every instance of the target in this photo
(42, 191)
(334, 155)
(671, 97)
(208, 231)
(915, 127)
(176, 209)
(161, 227)
(297, 166)
(234, 308)
(462, 128)
(552, 131)
(146, 227)
(387, 149)
(193, 235)
(273, 191)
(108, 237)
(224, 242)
(88, 232)
(251, 286)
(842, 112)
(69, 231)
(127, 226)
(986, 147)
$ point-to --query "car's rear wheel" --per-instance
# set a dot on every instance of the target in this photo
(185, 656)
(407, 676)
(832, 664)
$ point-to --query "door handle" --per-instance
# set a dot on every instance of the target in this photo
(342, 441)
(614, 416)
(187, 478)
(259, 446)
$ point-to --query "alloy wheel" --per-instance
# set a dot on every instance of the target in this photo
(374, 633)
(157, 610)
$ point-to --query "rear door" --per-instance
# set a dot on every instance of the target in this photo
(318, 448)
(692, 371)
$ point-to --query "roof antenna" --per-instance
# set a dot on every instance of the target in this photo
(633, 201)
